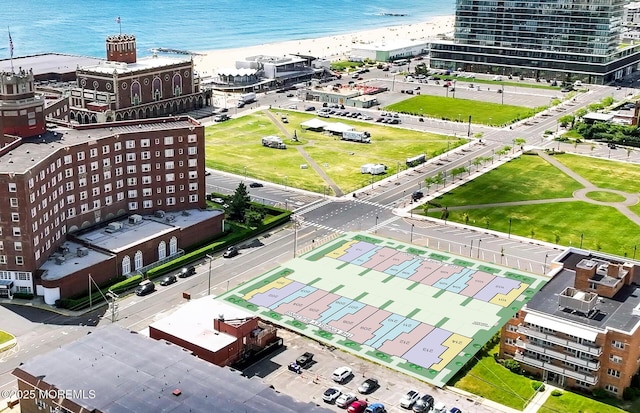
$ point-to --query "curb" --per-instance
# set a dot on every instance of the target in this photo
(9, 344)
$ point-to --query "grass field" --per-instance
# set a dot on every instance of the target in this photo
(603, 196)
(494, 382)
(234, 146)
(524, 178)
(604, 173)
(570, 402)
(571, 223)
(4, 337)
(459, 109)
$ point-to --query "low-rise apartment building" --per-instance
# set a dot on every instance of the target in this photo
(581, 329)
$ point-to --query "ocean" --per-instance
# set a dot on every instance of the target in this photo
(80, 27)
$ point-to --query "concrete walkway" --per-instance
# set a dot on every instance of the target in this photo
(336, 189)
(539, 399)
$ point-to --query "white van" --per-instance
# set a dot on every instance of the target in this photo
(577, 83)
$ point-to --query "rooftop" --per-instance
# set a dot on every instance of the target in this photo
(149, 227)
(152, 62)
(193, 322)
(616, 312)
(37, 149)
(391, 45)
(128, 372)
(55, 268)
(49, 63)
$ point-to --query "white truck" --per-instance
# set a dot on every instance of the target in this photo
(273, 142)
(356, 136)
(373, 169)
(246, 98)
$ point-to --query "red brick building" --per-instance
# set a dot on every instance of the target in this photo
(214, 331)
(125, 87)
(21, 111)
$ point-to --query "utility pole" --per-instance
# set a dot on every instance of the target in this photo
(210, 261)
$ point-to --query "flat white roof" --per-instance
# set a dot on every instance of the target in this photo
(314, 123)
(390, 46)
(72, 262)
(598, 116)
(193, 322)
(151, 62)
(338, 127)
(561, 326)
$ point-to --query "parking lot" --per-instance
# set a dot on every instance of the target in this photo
(316, 378)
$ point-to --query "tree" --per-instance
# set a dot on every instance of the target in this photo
(566, 120)
(465, 216)
(254, 216)
(240, 201)
(556, 236)
(581, 112)
(458, 171)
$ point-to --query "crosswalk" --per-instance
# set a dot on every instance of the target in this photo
(375, 204)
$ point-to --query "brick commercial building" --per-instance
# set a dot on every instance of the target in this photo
(67, 180)
(214, 331)
(113, 370)
(581, 329)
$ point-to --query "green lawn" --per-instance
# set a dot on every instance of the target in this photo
(604, 173)
(524, 178)
(571, 402)
(234, 146)
(459, 109)
(603, 196)
(569, 221)
(492, 381)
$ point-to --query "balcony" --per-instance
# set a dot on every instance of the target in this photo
(591, 365)
(592, 380)
(594, 351)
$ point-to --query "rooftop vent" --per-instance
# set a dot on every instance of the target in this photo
(577, 300)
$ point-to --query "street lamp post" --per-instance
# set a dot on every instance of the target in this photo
(412, 225)
(509, 227)
(285, 182)
(471, 248)
(581, 238)
(376, 227)
(545, 262)
(502, 95)
(245, 172)
(209, 285)
(479, 241)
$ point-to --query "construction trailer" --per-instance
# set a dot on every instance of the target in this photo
(356, 136)
(373, 169)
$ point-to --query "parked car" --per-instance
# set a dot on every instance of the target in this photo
(345, 399)
(455, 410)
(218, 200)
(169, 279)
(230, 252)
(331, 394)
(255, 185)
(187, 271)
(424, 404)
(357, 407)
(439, 407)
(408, 400)
(294, 367)
(145, 287)
(417, 195)
(309, 108)
(368, 386)
(221, 118)
(289, 95)
(375, 408)
(304, 359)
(341, 374)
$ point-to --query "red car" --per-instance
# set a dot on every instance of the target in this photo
(357, 407)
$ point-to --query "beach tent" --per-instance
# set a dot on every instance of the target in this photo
(314, 124)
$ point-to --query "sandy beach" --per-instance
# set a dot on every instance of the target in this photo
(331, 47)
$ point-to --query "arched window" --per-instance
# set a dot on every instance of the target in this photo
(138, 260)
(136, 93)
(126, 265)
(156, 87)
(173, 245)
(162, 250)
(177, 85)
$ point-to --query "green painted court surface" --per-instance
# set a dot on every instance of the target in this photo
(422, 312)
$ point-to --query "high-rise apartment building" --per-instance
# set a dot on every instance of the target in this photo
(553, 39)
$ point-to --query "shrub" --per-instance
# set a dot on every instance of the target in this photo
(556, 393)
(600, 394)
(512, 365)
(24, 296)
(537, 386)
(631, 393)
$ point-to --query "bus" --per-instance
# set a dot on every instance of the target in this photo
(401, 62)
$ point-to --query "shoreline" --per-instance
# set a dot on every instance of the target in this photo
(329, 47)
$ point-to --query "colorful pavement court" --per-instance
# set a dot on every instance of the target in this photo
(419, 311)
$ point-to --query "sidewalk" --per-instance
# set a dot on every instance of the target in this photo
(539, 399)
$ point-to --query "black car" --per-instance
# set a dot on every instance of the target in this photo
(368, 386)
(169, 279)
(231, 252)
(145, 287)
(417, 195)
(187, 271)
(255, 185)
(310, 108)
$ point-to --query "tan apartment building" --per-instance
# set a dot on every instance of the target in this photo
(581, 329)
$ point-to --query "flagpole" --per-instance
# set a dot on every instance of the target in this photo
(10, 48)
